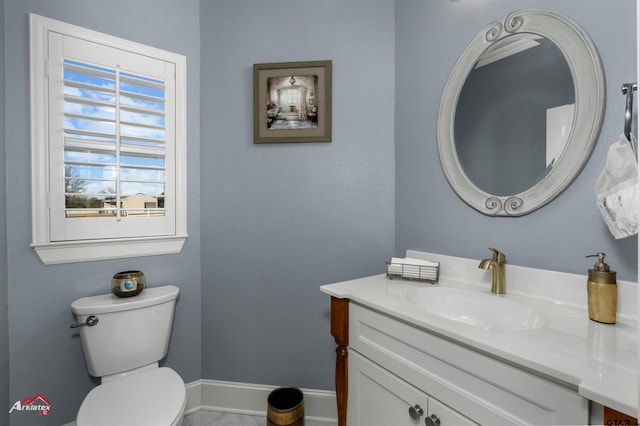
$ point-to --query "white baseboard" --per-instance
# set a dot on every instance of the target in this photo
(251, 399)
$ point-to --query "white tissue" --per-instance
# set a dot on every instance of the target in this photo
(617, 190)
(412, 261)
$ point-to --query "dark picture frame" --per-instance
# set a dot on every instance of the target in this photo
(292, 102)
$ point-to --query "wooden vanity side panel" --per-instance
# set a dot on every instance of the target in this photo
(613, 417)
(340, 333)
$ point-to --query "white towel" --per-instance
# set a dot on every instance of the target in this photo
(617, 190)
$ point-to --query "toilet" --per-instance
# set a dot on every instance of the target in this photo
(123, 339)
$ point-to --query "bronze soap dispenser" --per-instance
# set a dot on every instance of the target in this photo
(602, 291)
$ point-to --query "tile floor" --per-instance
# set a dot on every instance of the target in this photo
(214, 418)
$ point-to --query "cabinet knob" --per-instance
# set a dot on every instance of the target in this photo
(416, 412)
(432, 420)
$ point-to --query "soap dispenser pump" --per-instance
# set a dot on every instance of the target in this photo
(602, 292)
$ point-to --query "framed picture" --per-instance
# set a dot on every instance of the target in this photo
(292, 102)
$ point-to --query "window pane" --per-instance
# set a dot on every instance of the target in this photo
(142, 205)
(89, 187)
(149, 103)
(89, 92)
(142, 85)
(137, 160)
(142, 118)
(91, 115)
(77, 135)
(90, 171)
(85, 72)
(141, 188)
(142, 132)
(141, 175)
(89, 156)
(142, 92)
(89, 124)
(142, 142)
(142, 213)
(74, 107)
(90, 213)
(88, 206)
(89, 82)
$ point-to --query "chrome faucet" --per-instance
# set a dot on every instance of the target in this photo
(496, 264)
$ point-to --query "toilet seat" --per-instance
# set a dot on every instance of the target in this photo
(154, 397)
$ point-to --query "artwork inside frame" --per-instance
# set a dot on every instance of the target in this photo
(292, 102)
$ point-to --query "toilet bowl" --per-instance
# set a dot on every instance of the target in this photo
(151, 398)
(122, 343)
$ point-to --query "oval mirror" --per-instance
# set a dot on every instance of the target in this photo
(521, 113)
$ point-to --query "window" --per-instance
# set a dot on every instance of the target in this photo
(108, 145)
(114, 141)
(292, 96)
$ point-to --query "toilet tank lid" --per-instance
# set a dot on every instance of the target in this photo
(105, 303)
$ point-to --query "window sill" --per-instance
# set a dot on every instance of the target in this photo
(85, 251)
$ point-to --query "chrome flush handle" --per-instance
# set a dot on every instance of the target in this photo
(91, 321)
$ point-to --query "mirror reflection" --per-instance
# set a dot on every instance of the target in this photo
(514, 114)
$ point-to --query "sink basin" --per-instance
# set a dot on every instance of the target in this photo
(485, 310)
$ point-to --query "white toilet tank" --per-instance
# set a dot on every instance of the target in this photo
(131, 332)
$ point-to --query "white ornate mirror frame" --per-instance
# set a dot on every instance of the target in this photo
(588, 76)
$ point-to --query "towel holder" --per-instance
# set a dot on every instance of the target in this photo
(628, 89)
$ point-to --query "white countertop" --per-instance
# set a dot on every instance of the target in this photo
(600, 360)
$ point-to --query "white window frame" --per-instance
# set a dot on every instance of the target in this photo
(66, 251)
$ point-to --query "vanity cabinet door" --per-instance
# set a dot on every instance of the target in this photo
(379, 398)
(479, 387)
(446, 415)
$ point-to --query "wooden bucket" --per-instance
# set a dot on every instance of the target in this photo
(285, 407)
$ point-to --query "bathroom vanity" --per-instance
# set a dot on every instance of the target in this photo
(455, 354)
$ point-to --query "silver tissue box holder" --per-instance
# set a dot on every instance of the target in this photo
(411, 271)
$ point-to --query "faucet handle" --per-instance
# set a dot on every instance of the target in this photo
(498, 256)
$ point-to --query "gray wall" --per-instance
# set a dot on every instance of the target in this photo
(45, 355)
(279, 220)
(276, 221)
(4, 326)
(429, 216)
